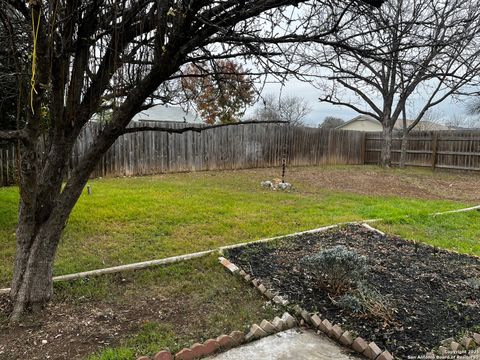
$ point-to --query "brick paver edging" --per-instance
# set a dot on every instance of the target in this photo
(368, 349)
(468, 347)
(226, 342)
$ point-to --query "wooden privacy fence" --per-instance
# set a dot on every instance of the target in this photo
(8, 164)
(259, 145)
(459, 150)
(230, 147)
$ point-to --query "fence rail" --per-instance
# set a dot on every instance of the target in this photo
(259, 145)
(456, 150)
(232, 147)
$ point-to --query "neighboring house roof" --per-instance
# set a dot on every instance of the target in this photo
(361, 123)
(166, 113)
(354, 124)
(359, 118)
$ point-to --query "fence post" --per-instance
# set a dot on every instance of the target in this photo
(1, 167)
(364, 148)
(434, 149)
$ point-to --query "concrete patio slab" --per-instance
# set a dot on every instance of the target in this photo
(293, 344)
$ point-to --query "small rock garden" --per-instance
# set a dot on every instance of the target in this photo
(407, 297)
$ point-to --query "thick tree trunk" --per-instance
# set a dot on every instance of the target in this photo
(386, 153)
(32, 279)
(43, 213)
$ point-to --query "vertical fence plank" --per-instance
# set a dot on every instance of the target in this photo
(259, 145)
(434, 149)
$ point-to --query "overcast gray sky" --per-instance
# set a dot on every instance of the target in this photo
(295, 87)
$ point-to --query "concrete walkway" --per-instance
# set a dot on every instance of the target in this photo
(294, 344)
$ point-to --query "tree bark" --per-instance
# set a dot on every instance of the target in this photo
(405, 131)
(42, 218)
(37, 243)
(32, 284)
(386, 153)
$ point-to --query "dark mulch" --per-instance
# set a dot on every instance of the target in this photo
(428, 289)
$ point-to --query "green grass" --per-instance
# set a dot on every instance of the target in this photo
(127, 220)
(135, 219)
(459, 232)
(207, 302)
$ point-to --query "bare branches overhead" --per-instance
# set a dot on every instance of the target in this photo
(425, 49)
(195, 128)
(123, 55)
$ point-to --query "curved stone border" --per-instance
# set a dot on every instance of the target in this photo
(134, 266)
(477, 207)
(450, 347)
(226, 342)
(368, 349)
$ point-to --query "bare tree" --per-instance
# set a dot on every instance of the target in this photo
(474, 112)
(331, 122)
(290, 109)
(123, 55)
(423, 49)
(463, 121)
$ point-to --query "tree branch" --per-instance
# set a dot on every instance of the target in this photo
(351, 106)
(195, 128)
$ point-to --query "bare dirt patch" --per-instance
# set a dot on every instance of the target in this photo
(193, 301)
(372, 180)
(67, 331)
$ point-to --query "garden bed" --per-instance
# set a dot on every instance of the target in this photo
(430, 294)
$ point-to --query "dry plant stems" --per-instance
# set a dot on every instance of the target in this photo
(341, 272)
(375, 304)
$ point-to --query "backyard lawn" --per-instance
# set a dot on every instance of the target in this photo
(122, 316)
(127, 220)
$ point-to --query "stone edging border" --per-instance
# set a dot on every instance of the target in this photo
(451, 349)
(226, 342)
(334, 331)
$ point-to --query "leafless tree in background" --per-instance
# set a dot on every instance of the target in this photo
(425, 49)
(463, 121)
(124, 55)
(474, 111)
(288, 108)
(331, 122)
